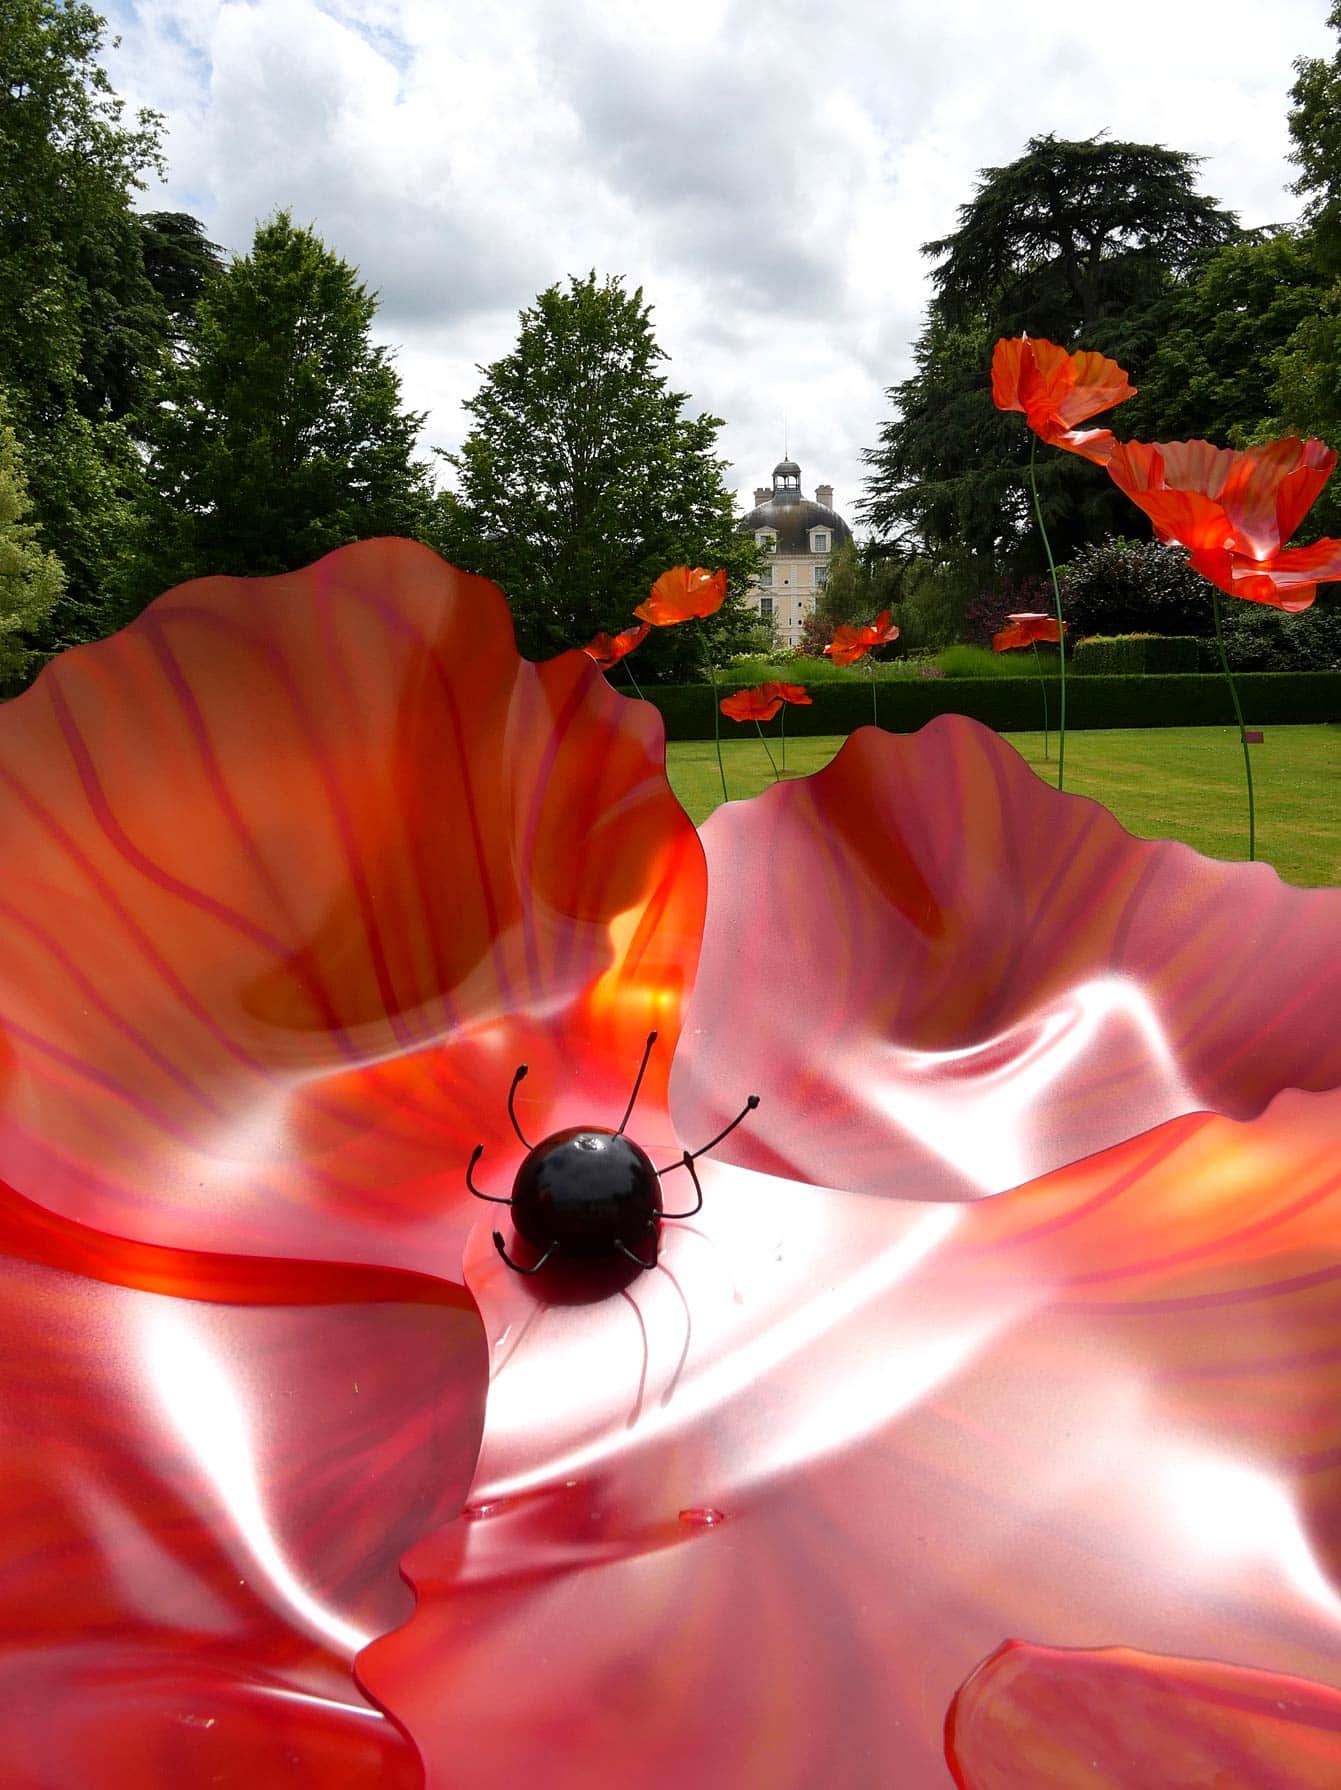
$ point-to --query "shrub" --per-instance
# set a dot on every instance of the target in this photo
(1029, 593)
(981, 661)
(1113, 655)
(1125, 587)
(1258, 638)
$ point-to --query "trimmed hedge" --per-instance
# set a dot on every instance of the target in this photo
(1014, 705)
(1119, 655)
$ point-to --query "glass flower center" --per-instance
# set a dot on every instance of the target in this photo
(585, 1189)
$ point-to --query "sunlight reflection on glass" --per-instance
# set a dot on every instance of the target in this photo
(204, 1408)
(978, 1107)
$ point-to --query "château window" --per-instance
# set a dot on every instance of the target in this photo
(766, 537)
(766, 608)
(821, 576)
(765, 574)
(819, 540)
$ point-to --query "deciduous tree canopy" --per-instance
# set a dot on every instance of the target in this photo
(284, 436)
(583, 479)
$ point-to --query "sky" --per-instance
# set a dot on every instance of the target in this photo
(766, 172)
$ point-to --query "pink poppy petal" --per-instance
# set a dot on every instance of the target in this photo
(300, 869)
(204, 1504)
(1046, 1718)
(973, 980)
(762, 1515)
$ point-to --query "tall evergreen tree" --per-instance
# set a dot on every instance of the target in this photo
(1071, 234)
(283, 435)
(583, 479)
(1076, 241)
(180, 262)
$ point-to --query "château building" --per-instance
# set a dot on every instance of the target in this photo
(800, 535)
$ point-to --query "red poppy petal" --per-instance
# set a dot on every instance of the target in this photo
(682, 594)
(1100, 383)
(1030, 627)
(300, 868)
(1047, 1718)
(1197, 522)
(1047, 377)
(760, 1517)
(204, 1505)
(1289, 579)
(759, 704)
(1008, 357)
(1014, 636)
(1300, 489)
(601, 648)
(995, 979)
(1249, 493)
(1097, 445)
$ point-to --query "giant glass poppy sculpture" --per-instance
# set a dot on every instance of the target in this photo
(983, 1426)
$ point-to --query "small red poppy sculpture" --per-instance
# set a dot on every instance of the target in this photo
(1055, 389)
(1026, 628)
(683, 594)
(759, 704)
(997, 1375)
(606, 650)
(851, 642)
(1234, 510)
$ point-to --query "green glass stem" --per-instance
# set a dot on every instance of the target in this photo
(875, 712)
(782, 733)
(1057, 599)
(716, 715)
(1238, 716)
(1043, 686)
(771, 759)
(633, 680)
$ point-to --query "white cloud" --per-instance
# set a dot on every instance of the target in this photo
(767, 175)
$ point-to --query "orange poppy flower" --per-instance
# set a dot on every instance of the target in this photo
(1232, 510)
(852, 643)
(609, 649)
(758, 704)
(681, 594)
(789, 692)
(1056, 389)
(1025, 629)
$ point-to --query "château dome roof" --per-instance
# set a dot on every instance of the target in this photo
(791, 515)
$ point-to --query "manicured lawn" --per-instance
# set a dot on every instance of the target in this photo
(1161, 782)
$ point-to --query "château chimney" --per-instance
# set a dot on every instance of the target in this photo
(824, 495)
(762, 493)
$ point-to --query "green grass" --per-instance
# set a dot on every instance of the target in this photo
(1161, 782)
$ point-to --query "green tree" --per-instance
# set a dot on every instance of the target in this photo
(1216, 334)
(1305, 392)
(1071, 234)
(83, 332)
(180, 262)
(283, 435)
(31, 578)
(1076, 241)
(1315, 128)
(583, 479)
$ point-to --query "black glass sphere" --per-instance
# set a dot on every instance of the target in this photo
(585, 1192)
